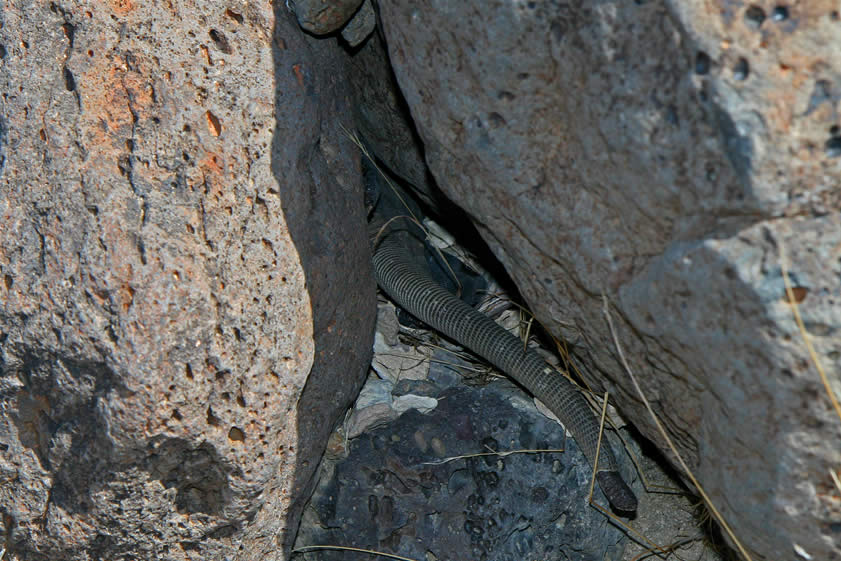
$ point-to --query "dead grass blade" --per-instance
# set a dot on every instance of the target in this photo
(449, 459)
(666, 549)
(598, 450)
(803, 333)
(835, 479)
(355, 139)
(633, 533)
(653, 548)
(306, 548)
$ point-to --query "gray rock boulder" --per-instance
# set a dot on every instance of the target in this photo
(185, 309)
(662, 154)
(416, 488)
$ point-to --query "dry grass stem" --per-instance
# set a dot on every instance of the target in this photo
(665, 435)
(423, 347)
(616, 520)
(355, 139)
(633, 533)
(666, 550)
(835, 479)
(598, 449)
(591, 398)
(805, 334)
(383, 228)
(307, 548)
(419, 344)
(649, 486)
(653, 547)
(453, 365)
(449, 459)
(525, 336)
(461, 367)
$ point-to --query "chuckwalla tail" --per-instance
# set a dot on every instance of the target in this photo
(411, 286)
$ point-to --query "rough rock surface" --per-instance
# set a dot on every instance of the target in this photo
(323, 16)
(356, 18)
(662, 154)
(157, 324)
(361, 25)
(383, 120)
(397, 493)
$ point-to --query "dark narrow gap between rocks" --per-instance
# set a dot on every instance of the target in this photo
(376, 490)
(379, 490)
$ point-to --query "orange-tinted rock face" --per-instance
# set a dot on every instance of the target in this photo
(163, 299)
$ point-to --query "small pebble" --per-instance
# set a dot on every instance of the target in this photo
(438, 447)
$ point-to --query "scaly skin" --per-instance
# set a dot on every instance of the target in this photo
(402, 276)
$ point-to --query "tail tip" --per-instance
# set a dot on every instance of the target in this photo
(618, 492)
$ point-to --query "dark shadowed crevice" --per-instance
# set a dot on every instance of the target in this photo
(317, 171)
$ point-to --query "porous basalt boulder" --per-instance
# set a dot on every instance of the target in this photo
(175, 351)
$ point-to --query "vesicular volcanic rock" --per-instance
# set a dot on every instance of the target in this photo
(174, 179)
